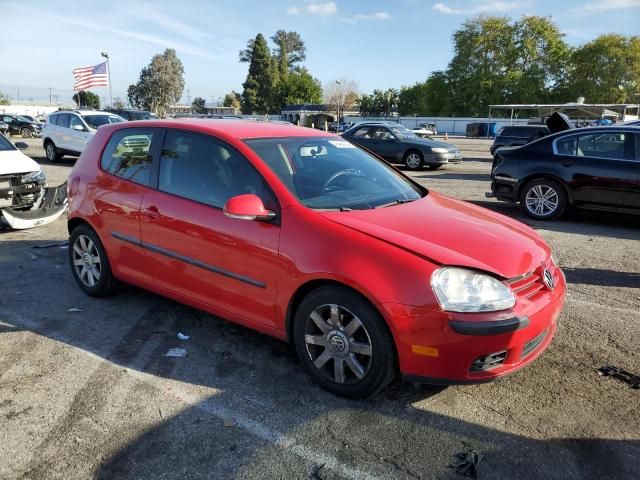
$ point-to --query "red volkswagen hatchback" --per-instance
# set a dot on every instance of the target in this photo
(303, 236)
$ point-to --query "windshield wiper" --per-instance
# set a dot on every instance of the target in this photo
(396, 202)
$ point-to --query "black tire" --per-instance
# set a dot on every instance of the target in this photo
(435, 166)
(533, 191)
(106, 282)
(51, 151)
(378, 367)
(25, 132)
(413, 160)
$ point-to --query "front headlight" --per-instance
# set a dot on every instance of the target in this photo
(38, 176)
(462, 290)
(439, 150)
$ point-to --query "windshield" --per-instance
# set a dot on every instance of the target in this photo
(95, 121)
(5, 144)
(328, 173)
(402, 132)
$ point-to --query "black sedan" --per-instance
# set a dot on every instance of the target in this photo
(18, 125)
(594, 168)
(397, 144)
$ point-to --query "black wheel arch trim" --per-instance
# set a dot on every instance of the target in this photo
(497, 327)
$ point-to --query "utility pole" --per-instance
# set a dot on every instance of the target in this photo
(106, 55)
(50, 94)
(188, 97)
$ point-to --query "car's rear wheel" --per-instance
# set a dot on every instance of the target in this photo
(51, 151)
(543, 199)
(25, 132)
(413, 160)
(89, 262)
(343, 343)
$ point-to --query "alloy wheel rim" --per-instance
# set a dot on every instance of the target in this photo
(86, 261)
(413, 160)
(50, 152)
(542, 200)
(26, 133)
(338, 344)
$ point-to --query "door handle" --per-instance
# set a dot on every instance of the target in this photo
(152, 212)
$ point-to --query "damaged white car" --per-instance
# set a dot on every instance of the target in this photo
(25, 199)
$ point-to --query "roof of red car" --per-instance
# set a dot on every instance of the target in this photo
(234, 128)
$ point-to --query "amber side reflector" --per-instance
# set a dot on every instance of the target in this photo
(426, 351)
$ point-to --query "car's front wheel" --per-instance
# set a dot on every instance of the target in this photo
(25, 132)
(89, 262)
(344, 343)
(51, 151)
(413, 160)
(543, 199)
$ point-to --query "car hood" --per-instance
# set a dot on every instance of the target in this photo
(431, 143)
(451, 232)
(14, 161)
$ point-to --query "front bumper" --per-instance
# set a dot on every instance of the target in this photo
(452, 157)
(49, 206)
(453, 348)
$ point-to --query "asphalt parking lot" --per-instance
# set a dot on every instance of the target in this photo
(86, 390)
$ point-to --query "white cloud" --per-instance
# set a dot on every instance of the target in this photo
(320, 9)
(606, 5)
(480, 6)
(366, 17)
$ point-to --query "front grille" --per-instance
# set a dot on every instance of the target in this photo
(531, 345)
(487, 362)
(526, 286)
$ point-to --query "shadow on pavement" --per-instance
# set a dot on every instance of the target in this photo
(607, 278)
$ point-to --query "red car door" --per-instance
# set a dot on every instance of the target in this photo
(196, 251)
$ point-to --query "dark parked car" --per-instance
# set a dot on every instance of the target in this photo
(18, 125)
(518, 135)
(594, 168)
(397, 144)
(4, 128)
(133, 114)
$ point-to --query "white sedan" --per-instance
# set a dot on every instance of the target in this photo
(25, 199)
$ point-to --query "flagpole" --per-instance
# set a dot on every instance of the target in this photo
(106, 55)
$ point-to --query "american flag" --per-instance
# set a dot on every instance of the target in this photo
(93, 76)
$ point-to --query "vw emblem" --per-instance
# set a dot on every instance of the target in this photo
(338, 343)
(547, 278)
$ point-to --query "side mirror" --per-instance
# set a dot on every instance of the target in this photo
(21, 145)
(79, 128)
(247, 207)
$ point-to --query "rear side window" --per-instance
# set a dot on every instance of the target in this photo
(128, 155)
(201, 168)
(362, 133)
(63, 120)
(615, 145)
(567, 145)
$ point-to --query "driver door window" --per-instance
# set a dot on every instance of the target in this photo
(382, 133)
(75, 122)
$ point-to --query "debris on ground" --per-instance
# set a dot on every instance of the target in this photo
(51, 245)
(467, 463)
(229, 422)
(627, 377)
(176, 352)
(182, 336)
(75, 310)
(314, 471)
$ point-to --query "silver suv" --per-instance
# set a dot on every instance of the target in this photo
(68, 132)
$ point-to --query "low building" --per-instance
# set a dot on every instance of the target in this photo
(307, 114)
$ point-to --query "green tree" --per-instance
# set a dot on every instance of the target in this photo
(607, 70)
(161, 84)
(4, 99)
(289, 51)
(118, 103)
(483, 51)
(257, 96)
(538, 67)
(198, 105)
(87, 99)
(414, 100)
(232, 99)
(438, 94)
(299, 86)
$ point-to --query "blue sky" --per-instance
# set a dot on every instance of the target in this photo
(377, 43)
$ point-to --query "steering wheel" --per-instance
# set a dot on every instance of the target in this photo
(335, 176)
